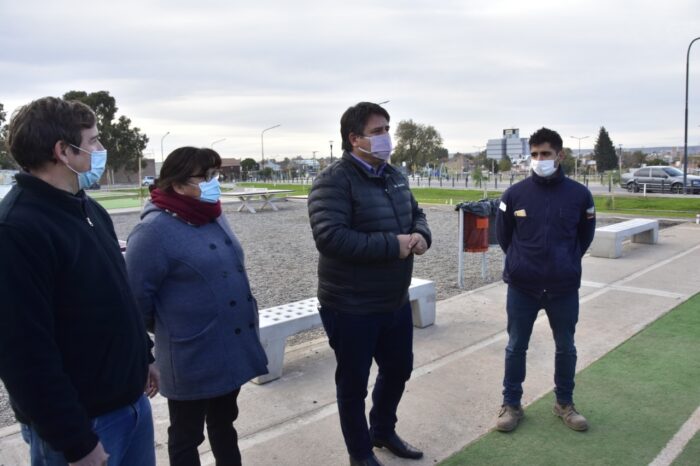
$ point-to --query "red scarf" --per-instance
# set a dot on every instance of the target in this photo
(188, 209)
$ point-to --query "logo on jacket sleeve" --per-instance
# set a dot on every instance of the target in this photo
(590, 213)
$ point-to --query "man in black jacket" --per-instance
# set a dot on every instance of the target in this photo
(74, 352)
(544, 225)
(367, 226)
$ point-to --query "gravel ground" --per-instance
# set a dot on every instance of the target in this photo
(281, 259)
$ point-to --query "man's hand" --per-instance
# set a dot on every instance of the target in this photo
(152, 382)
(404, 248)
(97, 457)
(418, 244)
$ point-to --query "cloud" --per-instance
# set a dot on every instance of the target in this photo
(470, 68)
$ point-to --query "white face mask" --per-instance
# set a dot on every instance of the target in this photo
(543, 168)
(379, 146)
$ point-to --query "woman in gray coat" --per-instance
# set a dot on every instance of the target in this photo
(187, 271)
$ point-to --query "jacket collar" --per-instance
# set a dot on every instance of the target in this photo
(50, 194)
(556, 178)
(388, 169)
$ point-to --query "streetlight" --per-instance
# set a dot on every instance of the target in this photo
(331, 143)
(579, 153)
(161, 145)
(685, 140)
(262, 145)
(216, 142)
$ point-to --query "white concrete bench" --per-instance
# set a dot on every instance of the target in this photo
(279, 322)
(608, 239)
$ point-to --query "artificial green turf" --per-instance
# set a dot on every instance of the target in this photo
(119, 203)
(635, 398)
(691, 453)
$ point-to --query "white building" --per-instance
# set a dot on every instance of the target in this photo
(511, 144)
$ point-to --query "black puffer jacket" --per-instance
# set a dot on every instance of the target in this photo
(355, 216)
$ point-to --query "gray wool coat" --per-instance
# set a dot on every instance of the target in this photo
(191, 285)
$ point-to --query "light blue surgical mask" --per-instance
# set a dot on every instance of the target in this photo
(543, 168)
(379, 146)
(98, 162)
(210, 191)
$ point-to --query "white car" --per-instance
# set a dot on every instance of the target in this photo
(148, 180)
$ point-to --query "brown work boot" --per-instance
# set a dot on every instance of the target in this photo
(509, 417)
(570, 416)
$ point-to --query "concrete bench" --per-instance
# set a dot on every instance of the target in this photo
(279, 322)
(608, 239)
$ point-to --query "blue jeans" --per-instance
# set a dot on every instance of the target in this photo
(125, 433)
(356, 340)
(562, 312)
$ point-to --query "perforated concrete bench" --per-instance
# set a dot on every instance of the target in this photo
(608, 239)
(279, 322)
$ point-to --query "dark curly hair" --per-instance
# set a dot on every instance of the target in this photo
(543, 135)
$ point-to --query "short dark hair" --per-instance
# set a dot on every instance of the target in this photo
(36, 127)
(184, 162)
(355, 119)
(543, 135)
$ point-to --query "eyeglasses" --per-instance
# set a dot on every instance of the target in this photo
(208, 175)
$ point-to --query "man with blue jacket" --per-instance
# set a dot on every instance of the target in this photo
(545, 224)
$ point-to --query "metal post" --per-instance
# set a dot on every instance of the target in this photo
(460, 251)
(685, 138)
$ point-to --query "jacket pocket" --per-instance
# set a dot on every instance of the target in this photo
(197, 360)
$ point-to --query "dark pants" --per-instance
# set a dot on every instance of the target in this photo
(562, 312)
(357, 339)
(186, 431)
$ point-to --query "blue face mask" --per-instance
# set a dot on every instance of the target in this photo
(210, 191)
(98, 162)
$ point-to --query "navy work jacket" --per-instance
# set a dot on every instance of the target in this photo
(544, 226)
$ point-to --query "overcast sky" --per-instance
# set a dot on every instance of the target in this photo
(205, 70)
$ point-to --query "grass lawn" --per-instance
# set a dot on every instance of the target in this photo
(636, 398)
(676, 207)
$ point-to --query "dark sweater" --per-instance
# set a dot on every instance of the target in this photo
(72, 342)
(545, 226)
(355, 217)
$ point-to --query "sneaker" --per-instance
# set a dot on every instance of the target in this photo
(572, 418)
(509, 417)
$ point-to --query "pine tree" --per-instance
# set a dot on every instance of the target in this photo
(604, 152)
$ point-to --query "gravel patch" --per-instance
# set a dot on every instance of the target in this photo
(281, 259)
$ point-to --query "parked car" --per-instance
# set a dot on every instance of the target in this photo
(661, 179)
(148, 180)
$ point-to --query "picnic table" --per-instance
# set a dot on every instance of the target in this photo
(265, 194)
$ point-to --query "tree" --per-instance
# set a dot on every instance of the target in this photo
(505, 164)
(248, 165)
(568, 163)
(124, 144)
(417, 145)
(604, 152)
(633, 159)
(6, 160)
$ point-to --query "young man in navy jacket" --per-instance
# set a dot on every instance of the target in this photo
(545, 224)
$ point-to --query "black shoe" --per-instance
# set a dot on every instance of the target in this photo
(397, 446)
(371, 461)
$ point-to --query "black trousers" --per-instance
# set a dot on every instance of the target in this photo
(356, 340)
(186, 431)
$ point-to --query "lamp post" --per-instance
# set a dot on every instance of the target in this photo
(262, 145)
(579, 154)
(161, 145)
(685, 140)
(331, 143)
(620, 145)
(216, 142)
